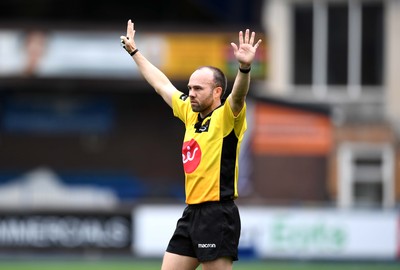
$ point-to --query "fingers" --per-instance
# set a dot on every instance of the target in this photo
(124, 40)
(133, 30)
(240, 38)
(248, 38)
(252, 38)
(257, 44)
(130, 31)
(234, 46)
(128, 27)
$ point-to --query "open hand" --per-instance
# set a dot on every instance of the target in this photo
(246, 51)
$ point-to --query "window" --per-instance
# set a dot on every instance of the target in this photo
(303, 38)
(366, 175)
(338, 43)
(372, 44)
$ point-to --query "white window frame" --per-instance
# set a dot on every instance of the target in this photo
(320, 89)
(348, 152)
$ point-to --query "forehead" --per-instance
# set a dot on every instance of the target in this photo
(201, 76)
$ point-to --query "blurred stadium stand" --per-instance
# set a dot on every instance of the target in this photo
(94, 126)
(77, 104)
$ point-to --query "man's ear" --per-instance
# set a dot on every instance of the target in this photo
(218, 91)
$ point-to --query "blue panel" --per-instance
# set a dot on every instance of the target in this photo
(58, 114)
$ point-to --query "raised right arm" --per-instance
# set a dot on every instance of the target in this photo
(155, 77)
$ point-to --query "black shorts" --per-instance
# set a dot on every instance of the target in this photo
(207, 231)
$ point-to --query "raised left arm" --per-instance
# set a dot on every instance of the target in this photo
(244, 54)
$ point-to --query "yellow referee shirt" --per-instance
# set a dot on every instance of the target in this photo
(210, 150)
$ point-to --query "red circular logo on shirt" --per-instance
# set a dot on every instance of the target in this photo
(191, 155)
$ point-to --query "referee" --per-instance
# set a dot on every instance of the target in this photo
(209, 229)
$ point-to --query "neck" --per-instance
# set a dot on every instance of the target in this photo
(208, 111)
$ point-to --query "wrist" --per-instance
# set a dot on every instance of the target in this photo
(244, 69)
(132, 53)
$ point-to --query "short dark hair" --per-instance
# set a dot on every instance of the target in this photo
(220, 79)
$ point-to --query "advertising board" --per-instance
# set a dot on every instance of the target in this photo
(285, 232)
(66, 233)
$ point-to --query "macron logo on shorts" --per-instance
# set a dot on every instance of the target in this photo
(212, 245)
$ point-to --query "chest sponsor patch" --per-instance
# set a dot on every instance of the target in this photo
(191, 155)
